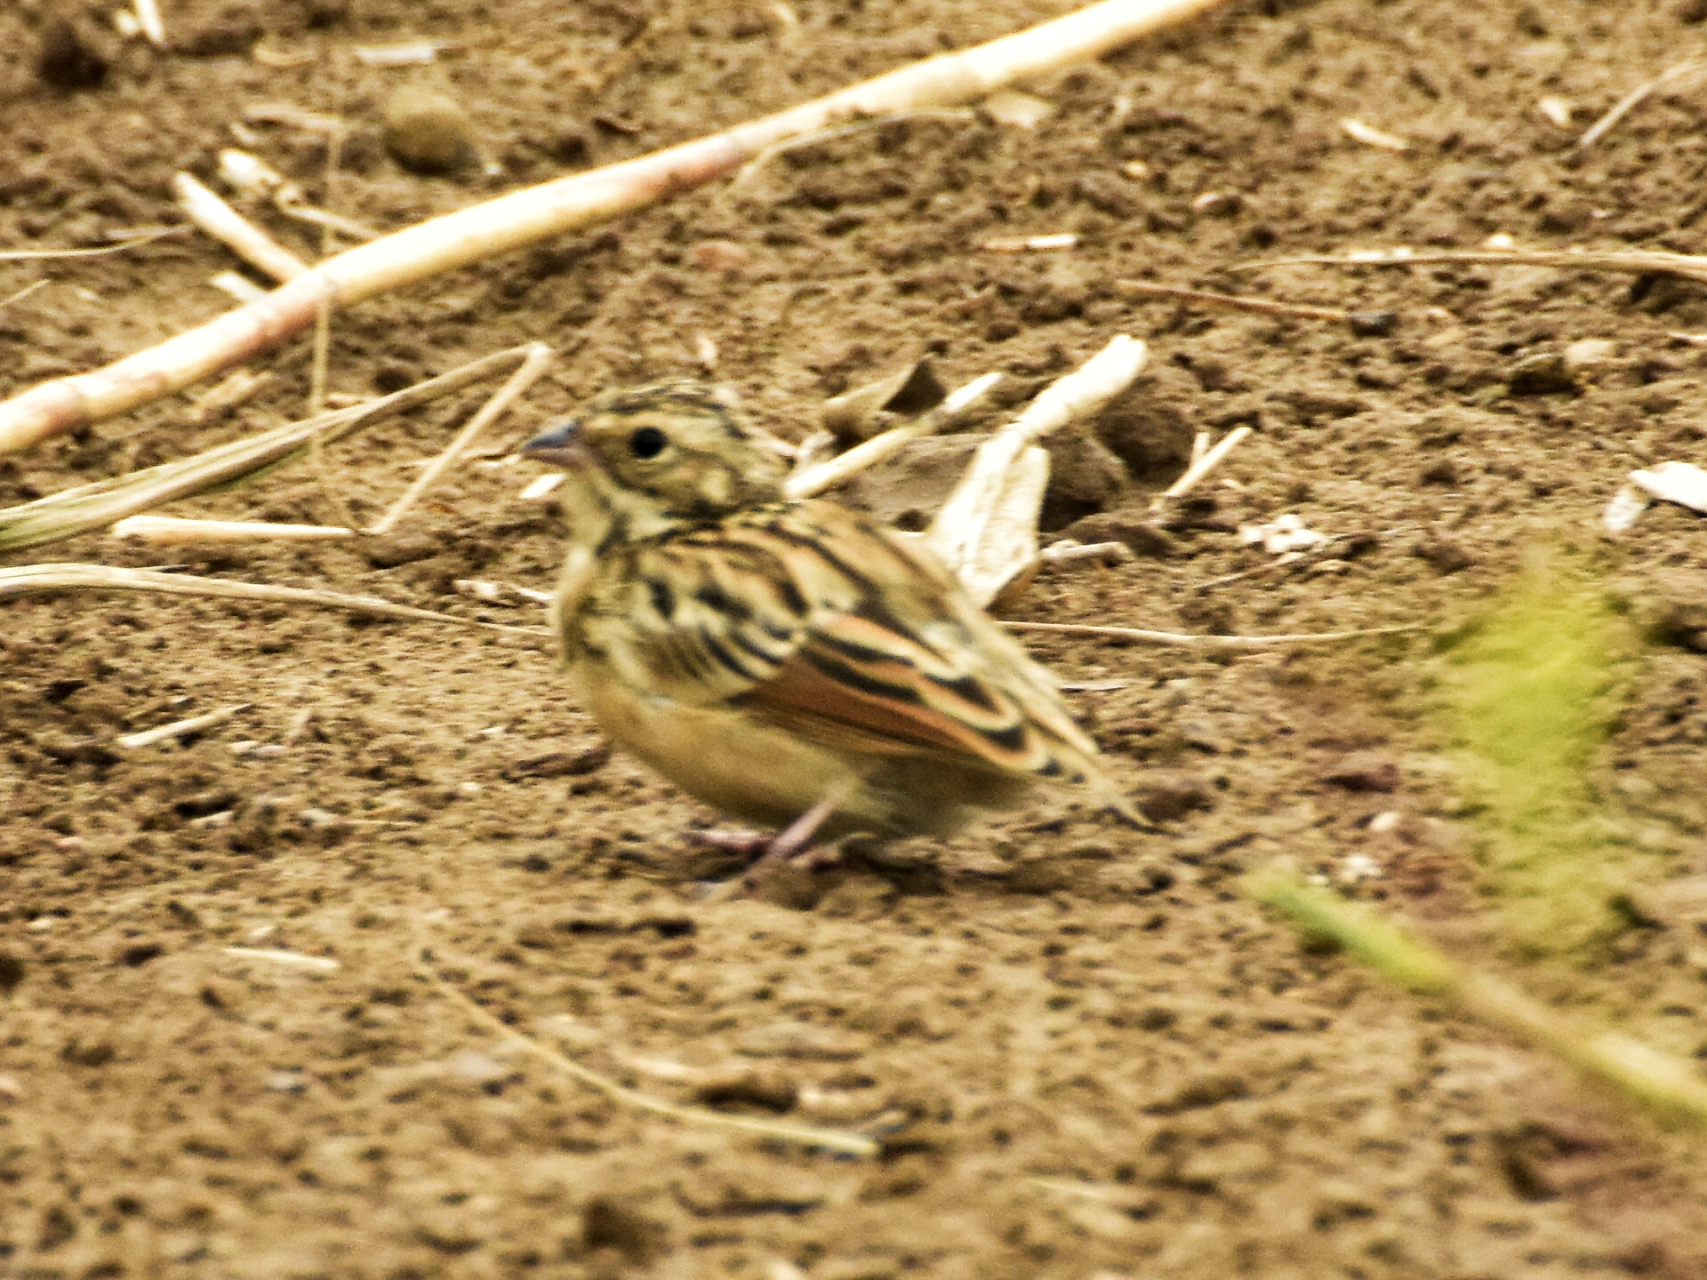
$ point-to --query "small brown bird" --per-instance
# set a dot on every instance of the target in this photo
(773, 656)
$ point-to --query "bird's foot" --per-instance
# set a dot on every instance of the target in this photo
(792, 846)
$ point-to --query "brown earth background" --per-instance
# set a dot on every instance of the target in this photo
(1089, 1052)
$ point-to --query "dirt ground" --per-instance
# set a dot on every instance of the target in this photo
(1088, 1052)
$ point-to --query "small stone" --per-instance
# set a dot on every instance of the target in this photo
(606, 1224)
(764, 1090)
(76, 749)
(1586, 353)
(427, 132)
(66, 61)
(400, 548)
(1670, 608)
(1543, 374)
(287, 1082)
(1106, 193)
(1131, 526)
(1446, 556)
(561, 764)
(140, 953)
(727, 257)
(1084, 478)
(12, 970)
(1373, 324)
(1167, 797)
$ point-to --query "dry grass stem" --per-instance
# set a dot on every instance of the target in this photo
(1629, 261)
(757, 164)
(1030, 244)
(148, 19)
(37, 579)
(172, 530)
(855, 1144)
(218, 219)
(95, 506)
(178, 728)
(318, 369)
(1667, 1083)
(1185, 641)
(45, 255)
(824, 475)
(237, 286)
(237, 387)
(1068, 552)
(536, 359)
(289, 959)
(1635, 98)
(415, 53)
(1203, 465)
(1263, 305)
(1370, 136)
(525, 217)
(23, 293)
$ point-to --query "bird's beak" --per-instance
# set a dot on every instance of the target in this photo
(560, 446)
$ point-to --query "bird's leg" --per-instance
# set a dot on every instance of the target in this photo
(770, 852)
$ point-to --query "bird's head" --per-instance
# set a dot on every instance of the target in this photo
(660, 456)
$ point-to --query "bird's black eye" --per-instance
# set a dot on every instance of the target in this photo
(647, 442)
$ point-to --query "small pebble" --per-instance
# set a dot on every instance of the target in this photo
(1585, 353)
(1373, 324)
(1544, 374)
(66, 62)
(720, 255)
(427, 132)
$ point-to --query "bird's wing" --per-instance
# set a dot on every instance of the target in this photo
(818, 620)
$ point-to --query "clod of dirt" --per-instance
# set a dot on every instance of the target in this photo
(1364, 771)
(1149, 428)
(1084, 478)
(862, 412)
(1130, 525)
(766, 1091)
(427, 132)
(66, 62)
(399, 549)
(1166, 797)
(1544, 374)
(605, 1224)
(140, 953)
(1373, 324)
(561, 764)
(1443, 554)
(1669, 609)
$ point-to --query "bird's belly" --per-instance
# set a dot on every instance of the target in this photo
(725, 757)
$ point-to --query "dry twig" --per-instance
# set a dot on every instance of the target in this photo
(535, 360)
(1202, 464)
(213, 215)
(1635, 98)
(178, 728)
(826, 475)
